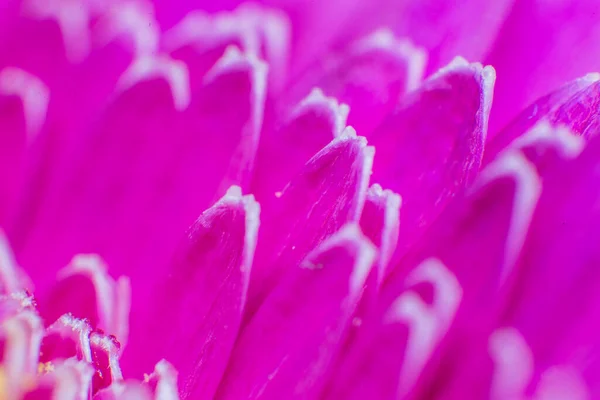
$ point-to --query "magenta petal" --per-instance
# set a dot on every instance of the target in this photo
(287, 349)
(558, 31)
(329, 192)
(20, 338)
(160, 385)
(105, 351)
(12, 278)
(199, 306)
(200, 39)
(128, 390)
(66, 338)
(287, 145)
(370, 75)
(572, 105)
(431, 147)
(163, 381)
(447, 282)
(23, 107)
(85, 290)
(379, 221)
(68, 380)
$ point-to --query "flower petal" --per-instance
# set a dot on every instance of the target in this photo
(68, 380)
(572, 105)
(105, 352)
(317, 298)
(85, 290)
(370, 75)
(20, 338)
(288, 144)
(12, 277)
(160, 385)
(198, 308)
(431, 147)
(23, 107)
(446, 282)
(379, 221)
(200, 39)
(66, 338)
(329, 192)
(558, 31)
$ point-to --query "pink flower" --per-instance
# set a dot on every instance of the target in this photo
(216, 163)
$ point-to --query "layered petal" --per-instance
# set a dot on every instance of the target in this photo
(317, 298)
(369, 74)
(287, 144)
(573, 106)
(200, 39)
(85, 290)
(160, 385)
(431, 147)
(69, 380)
(524, 330)
(145, 189)
(557, 31)
(442, 290)
(327, 193)
(20, 338)
(198, 308)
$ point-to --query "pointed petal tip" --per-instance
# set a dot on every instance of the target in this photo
(316, 100)
(148, 67)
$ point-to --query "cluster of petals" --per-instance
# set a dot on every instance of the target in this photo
(299, 200)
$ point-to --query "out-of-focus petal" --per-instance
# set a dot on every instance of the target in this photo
(20, 338)
(150, 179)
(431, 147)
(370, 75)
(160, 385)
(198, 308)
(439, 290)
(23, 106)
(68, 380)
(521, 341)
(287, 349)
(329, 192)
(200, 39)
(85, 290)
(12, 277)
(128, 390)
(558, 31)
(287, 144)
(573, 105)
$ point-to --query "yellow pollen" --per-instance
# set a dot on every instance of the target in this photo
(146, 378)
(44, 368)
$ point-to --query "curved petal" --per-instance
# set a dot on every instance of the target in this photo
(318, 297)
(329, 192)
(431, 147)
